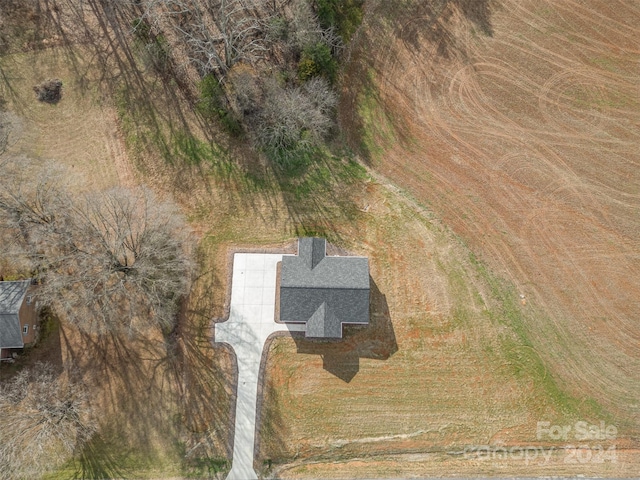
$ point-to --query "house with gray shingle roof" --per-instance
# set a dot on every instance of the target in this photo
(17, 316)
(323, 291)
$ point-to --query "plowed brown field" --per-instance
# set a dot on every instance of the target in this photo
(519, 123)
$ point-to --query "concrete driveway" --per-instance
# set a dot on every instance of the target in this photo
(251, 322)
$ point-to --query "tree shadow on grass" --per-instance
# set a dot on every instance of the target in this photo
(206, 395)
(98, 45)
(131, 372)
(162, 396)
(160, 123)
(99, 460)
(435, 23)
(318, 189)
(341, 357)
(169, 388)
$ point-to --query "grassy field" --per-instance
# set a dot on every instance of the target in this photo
(446, 364)
(514, 122)
(159, 397)
(473, 339)
(80, 132)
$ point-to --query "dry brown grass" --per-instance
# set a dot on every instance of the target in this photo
(443, 465)
(452, 383)
(159, 398)
(80, 131)
(525, 142)
(518, 125)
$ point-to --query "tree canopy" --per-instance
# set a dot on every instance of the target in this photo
(106, 261)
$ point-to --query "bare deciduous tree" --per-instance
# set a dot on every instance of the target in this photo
(114, 260)
(217, 33)
(296, 117)
(321, 95)
(44, 419)
(31, 206)
(306, 29)
(126, 266)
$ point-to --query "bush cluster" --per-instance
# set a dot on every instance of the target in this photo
(49, 91)
(264, 82)
(212, 105)
(317, 60)
(344, 15)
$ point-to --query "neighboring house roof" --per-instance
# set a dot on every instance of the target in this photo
(11, 297)
(323, 292)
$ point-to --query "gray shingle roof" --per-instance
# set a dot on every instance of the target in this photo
(323, 292)
(11, 298)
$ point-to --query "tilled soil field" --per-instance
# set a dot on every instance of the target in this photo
(518, 123)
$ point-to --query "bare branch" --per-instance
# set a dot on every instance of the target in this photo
(296, 117)
(44, 419)
(128, 268)
(217, 34)
(114, 261)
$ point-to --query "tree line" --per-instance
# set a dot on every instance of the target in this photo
(266, 69)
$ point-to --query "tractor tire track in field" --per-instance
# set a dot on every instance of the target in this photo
(527, 142)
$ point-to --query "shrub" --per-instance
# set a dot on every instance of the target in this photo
(155, 54)
(141, 29)
(45, 417)
(212, 105)
(211, 95)
(295, 120)
(316, 61)
(304, 29)
(49, 91)
(277, 29)
(344, 15)
(245, 93)
(154, 49)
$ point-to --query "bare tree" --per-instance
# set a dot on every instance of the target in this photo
(44, 419)
(114, 260)
(307, 31)
(217, 33)
(296, 117)
(126, 265)
(32, 203)
(321, 96)
(305, 27)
